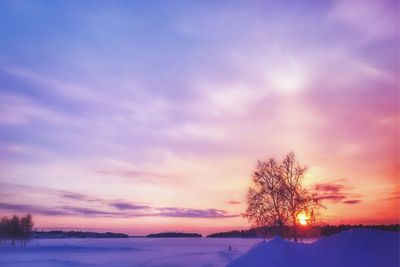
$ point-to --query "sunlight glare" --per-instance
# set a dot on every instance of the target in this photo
(302, 218)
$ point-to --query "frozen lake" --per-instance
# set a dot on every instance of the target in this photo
(146, 252)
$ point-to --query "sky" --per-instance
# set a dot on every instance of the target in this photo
(147, 116)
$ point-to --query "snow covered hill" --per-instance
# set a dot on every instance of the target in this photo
(353, 248)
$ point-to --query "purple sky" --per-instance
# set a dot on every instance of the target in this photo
(131, 115)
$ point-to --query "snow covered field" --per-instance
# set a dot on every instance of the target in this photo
(146, 252)
(354, 248)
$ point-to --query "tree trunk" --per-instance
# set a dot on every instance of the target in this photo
(294, 229)
(281, 230)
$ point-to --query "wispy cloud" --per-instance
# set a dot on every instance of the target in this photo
(70, 210)
(194, 213)
(233, 202)
(328, 187)
(74, 196)
(10, 207)
(356, 15)
(336, 193)
(146, 176)
(76, 204)
(333, 198)
(394, 195)
(352, 202)
(119, 211)
(127, 206)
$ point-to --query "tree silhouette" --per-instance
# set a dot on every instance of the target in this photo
(26, 228)
(297, 199)
(5, 231)
(16, 229)
(277, 197)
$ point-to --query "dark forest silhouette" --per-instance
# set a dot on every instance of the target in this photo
(16, 228)
(58, 234)
(174, 234)
(315, 231)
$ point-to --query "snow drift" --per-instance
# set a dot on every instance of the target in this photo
(353, 248)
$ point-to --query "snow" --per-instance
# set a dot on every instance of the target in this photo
(144, 252)
(353, 248)
(358, 247)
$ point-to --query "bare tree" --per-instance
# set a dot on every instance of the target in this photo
(265, 200)
(277, 197)
(16, 229)
(297, 199)
(5, 232)
(26, 227)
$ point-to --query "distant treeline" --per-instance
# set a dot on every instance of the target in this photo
(75, 234)
(236, 233)
(16, 228)
(174, 234)
(302, 232)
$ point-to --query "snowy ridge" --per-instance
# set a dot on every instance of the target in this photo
(353, 248)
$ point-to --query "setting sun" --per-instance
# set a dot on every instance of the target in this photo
(302, 218)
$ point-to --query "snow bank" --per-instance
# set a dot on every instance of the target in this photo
(353, 248)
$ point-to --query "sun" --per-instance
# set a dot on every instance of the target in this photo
(302, 218)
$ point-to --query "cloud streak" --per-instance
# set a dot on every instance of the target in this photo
(233, 202)
(336, 193)
(124, 211)
(146, 176)
(352, 202)
(76, 204)
(127, 206)
(194, 213)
